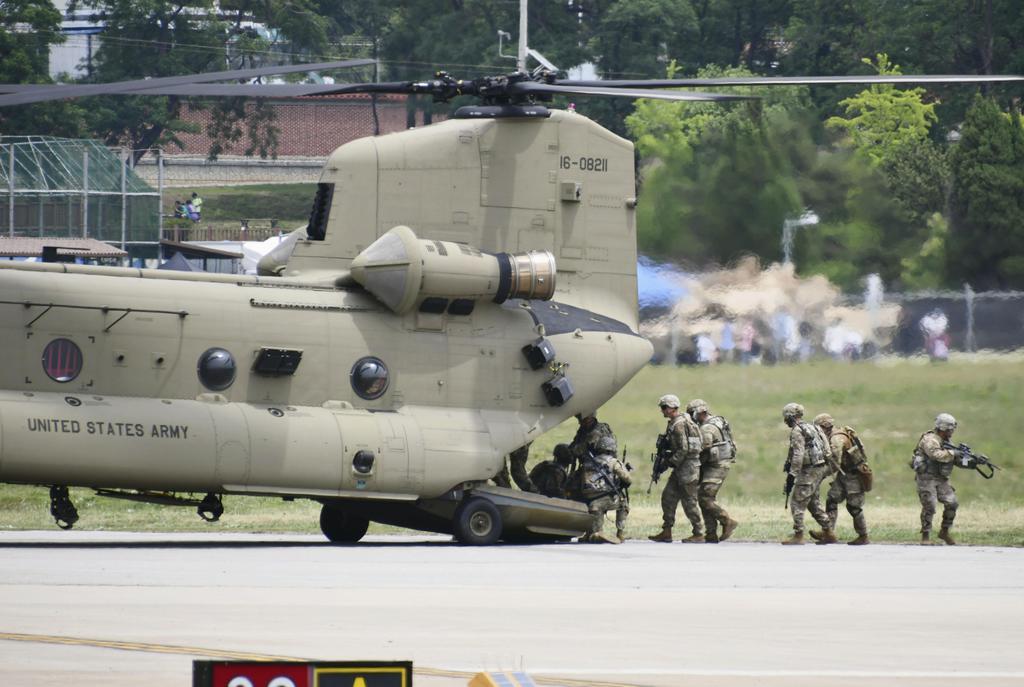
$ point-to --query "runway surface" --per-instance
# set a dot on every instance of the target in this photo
(120, 609)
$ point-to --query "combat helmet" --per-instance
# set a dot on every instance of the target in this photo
(606, 444)
(562, 454)
(792, 410)
(825, 421)
(669, 400)
(944, 422)
(696, 407)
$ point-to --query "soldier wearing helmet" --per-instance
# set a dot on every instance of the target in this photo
(934, 465)
(549, 476)
(683, 485)
(601, 482)
(718, 453)
(587, 434)
(850, 467)
(807, 464)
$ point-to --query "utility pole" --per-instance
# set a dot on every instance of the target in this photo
(521, 59)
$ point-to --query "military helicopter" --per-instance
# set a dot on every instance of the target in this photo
(460, 289)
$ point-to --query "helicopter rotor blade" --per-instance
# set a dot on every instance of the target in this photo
(137, 85)
(559, 88)
(908, 79)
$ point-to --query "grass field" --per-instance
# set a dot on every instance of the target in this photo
(289, 203)
(890, 403)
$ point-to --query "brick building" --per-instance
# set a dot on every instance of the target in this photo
(310, 127)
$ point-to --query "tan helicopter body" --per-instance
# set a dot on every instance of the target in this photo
(383, 371)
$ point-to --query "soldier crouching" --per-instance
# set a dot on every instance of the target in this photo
(600, 482)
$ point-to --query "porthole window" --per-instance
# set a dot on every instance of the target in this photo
(216, 369)
(62, 360)
(369, 378)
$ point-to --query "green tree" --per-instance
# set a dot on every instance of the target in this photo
(172, 37)
(27, 30)
(987, 204)
(882, 117)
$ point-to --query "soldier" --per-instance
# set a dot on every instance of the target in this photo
(589, 431)
(684, 482)
(933, 465)
(549, 476)
(600, 482)
(517, 459)
(718, 453)
(848, 456)
(807, 464)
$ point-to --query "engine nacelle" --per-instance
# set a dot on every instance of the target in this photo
(401, 269)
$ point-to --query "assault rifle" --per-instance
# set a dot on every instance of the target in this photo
(969, 459)
(660, 459)
(790, 481)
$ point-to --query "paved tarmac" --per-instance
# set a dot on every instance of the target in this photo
(120, 609)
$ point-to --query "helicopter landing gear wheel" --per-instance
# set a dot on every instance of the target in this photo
(341, 526)
(477, 522)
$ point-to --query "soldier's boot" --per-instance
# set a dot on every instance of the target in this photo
(861, 540)
(926, 539)
(664, 536)
(603, 538)
(621, 534)
(815, 535)
(710, 538)
(827, 537)
(796, 540)
(945, 536)
(694, 539)
(728, 527)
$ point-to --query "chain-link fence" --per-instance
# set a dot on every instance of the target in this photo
(71, 188)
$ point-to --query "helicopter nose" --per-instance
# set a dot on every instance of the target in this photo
(634, 352)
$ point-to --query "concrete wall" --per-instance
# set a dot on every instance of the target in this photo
(187, 171)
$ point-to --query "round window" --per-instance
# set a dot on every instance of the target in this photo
(216, 369)
(62, 360)
(369, 378)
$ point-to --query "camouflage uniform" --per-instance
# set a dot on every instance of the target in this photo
(936, 465)
(808, 474)
(587, 436)
(847, 485)
(684, 482)
(517, 459)
(598, 482)
(716, 458)
(549, 478)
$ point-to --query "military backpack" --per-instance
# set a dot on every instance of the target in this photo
(860, 458)
(726, 448)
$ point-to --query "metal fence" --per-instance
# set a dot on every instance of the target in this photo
(59, 187)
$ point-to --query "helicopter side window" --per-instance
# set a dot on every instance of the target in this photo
(62, 360)
(317, 229)
(369, 378)
(216, 369)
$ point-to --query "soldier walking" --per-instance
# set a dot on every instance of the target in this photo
(852, 480)
(600, 482)
(807, 465)
(718, 454)
(683, 484)
(934, 465)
